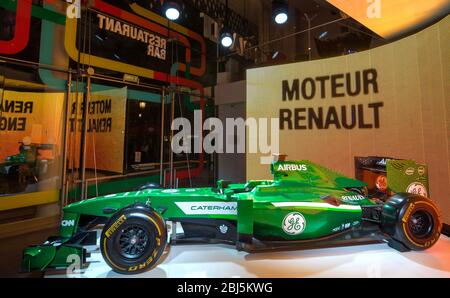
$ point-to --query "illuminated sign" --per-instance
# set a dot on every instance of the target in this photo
(391, 18)
(156, 45)
(21, 30)
(28, 114)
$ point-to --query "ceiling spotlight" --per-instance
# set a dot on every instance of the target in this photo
(226, 38)
(323, 35)
(172, 10)
(280, 11)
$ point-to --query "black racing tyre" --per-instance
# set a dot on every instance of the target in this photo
(133, 240)
(14, 182)
(412, 220)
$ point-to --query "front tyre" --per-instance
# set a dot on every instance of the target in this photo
(133, 240)
(412, 220)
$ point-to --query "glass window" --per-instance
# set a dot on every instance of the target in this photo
(143, 135)
(31, 134)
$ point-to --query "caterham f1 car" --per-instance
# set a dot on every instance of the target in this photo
(305, 206)
(27, 167)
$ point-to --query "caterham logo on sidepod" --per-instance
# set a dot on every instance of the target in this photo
(205, 208)
(294, 223)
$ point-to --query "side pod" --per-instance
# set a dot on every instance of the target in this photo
(245, 221)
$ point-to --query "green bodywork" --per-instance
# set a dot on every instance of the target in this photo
(321, 198)
(27, 164)
(13, 160)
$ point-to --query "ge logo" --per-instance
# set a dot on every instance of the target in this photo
(417, 189)
(294, 223)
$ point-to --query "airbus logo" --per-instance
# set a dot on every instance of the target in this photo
(292, 167)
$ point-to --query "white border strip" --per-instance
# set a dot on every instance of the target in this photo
(208, 208)
(316, 205)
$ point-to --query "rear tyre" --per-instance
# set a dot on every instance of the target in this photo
(133, 240)
(411, 220)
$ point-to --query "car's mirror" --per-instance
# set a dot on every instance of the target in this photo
(223, 184)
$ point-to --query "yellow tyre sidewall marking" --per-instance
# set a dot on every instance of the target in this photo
(107, 256)
(405, 220)
(154, 253)
(116, 226)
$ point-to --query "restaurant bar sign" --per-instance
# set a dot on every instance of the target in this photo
(155, 45)
(324, 102)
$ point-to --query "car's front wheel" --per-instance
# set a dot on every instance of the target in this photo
(133, 240)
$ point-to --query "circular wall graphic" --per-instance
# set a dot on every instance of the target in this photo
(417, 188)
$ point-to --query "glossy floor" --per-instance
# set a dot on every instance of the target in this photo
(193, 261)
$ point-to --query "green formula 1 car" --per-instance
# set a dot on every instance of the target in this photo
(305, 206)
(27, 167)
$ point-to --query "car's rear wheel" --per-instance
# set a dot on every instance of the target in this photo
(133, 240)
(412, 220)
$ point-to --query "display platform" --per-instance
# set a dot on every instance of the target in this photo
(219, 261)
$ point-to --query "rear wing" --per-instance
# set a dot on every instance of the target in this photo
(311, 173)
(389, 175)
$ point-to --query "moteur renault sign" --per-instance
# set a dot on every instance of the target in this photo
(331, 91)
(388, 101)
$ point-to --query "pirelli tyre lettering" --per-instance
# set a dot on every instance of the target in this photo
(412, 220)
(133, 240)
(115, 226)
